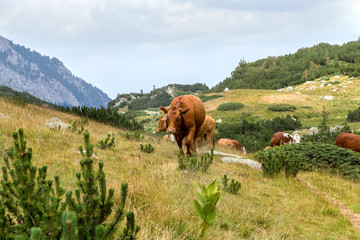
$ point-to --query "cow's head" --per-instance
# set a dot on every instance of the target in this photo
(162, 126)
(174, 118)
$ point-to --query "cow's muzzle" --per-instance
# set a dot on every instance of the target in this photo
(171, 130)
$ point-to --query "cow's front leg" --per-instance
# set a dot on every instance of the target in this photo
(190, 142)
(179, 142)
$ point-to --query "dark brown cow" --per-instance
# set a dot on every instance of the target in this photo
(280, 138)
(207, 131)
(231, 144)
(185, 116)
(348, 140)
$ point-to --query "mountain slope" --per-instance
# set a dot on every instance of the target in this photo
(48, 79)
(157, 97)
(305, 65)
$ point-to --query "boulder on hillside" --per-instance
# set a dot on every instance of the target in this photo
(313, 131)
(55, 123)
(2, 116)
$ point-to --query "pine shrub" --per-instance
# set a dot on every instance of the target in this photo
(147, 148)
(32, 206)
(307, 156)
(230, 106)
(192, 163)
(282, 107)
(107, 143)
(232, 187)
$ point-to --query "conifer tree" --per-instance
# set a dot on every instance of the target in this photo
(32, 206)
(29, 199)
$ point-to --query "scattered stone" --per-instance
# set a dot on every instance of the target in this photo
(327, 97)
(55, 123)
(2, 116)
(288, 89)
(313, 131)
(84, 151)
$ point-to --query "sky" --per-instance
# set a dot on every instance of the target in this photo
(123, 46)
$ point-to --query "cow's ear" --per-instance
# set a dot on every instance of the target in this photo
(183, 111)
(165, 110)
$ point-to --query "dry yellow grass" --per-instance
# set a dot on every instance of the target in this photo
(162, 197)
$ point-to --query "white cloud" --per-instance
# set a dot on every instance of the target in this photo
(89, 35)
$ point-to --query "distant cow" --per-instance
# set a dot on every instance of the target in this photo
(267, 148)
(169, 138)
(162, 126)
(281, 138)
(296, 138)
(231, 144)
(207, 131)
(348, 140)
(185, 116)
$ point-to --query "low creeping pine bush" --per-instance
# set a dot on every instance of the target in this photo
(282, 107)
(133, 136)
(230, 106)
(232, 187)
(31, 206)
(192, 163)
(147, 148)
(107, 143)
(307, 156)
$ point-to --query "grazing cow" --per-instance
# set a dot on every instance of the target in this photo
(162, 126)
(267, 148)
(281, 138)
(185, 116)
(207, 131)
(169, 138)
(296, 138)
(348, 140)
(231, 144)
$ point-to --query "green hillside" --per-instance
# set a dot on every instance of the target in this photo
(22, 97)
(306, 64)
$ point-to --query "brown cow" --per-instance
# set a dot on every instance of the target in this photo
(162, 125)
(280, 138)
(207, 131)
(231, 144)
(185, 116)
(348, 140)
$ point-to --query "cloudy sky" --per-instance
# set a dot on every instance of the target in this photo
(124, 46)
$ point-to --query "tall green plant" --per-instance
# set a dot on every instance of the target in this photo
(206, 209)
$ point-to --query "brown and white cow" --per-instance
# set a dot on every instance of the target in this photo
(281, 138)
(231, 144)
(348, 140)
(207, 132)
(185, 116)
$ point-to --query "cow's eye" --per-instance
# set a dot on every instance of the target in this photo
(178, 119)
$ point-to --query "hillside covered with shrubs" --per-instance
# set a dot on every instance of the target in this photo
(305, 65)
(156, 98)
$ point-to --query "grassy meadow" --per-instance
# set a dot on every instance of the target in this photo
(162, 197)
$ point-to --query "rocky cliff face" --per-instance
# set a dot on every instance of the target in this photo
(48, 79)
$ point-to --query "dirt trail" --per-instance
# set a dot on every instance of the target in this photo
(353, 217)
